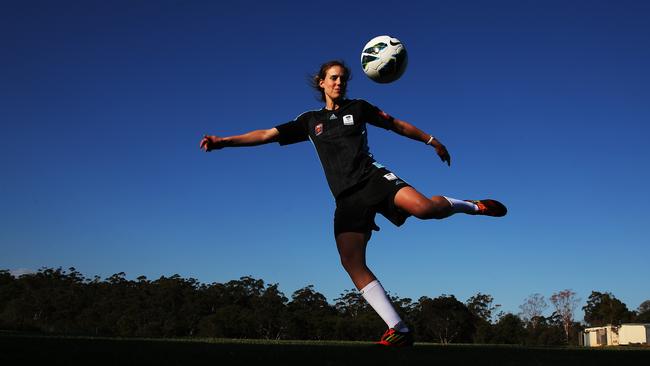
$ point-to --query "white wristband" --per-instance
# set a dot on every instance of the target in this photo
(430, 139)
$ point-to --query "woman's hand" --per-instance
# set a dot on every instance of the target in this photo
(209, 143)
(441, 150)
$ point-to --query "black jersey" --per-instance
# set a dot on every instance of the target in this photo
(340, 138)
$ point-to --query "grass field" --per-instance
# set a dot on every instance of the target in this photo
(49, 350)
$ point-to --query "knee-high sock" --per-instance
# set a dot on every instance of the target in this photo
(376, 296)
(458, 206)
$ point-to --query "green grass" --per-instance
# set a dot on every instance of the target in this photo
(50, 350)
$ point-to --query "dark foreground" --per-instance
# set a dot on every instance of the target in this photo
(29, 349)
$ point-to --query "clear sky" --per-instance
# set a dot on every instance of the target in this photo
(543, 105)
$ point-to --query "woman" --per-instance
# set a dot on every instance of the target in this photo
(361, 186)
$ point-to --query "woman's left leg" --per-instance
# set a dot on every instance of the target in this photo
(439, 207)
(416, 204)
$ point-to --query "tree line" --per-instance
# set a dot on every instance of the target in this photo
(56, 301)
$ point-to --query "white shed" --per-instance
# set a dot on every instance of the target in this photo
(613, 335)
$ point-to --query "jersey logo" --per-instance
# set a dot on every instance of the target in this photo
(318, 129)
(348, 120)
(333, 116)
(390, 176)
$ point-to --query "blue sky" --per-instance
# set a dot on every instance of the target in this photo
(542, 105)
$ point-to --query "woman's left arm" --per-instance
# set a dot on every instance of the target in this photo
(406, 129)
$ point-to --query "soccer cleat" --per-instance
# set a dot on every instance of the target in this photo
(489, 207)
(393, 338)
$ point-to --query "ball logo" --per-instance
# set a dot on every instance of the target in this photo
(384, 59)
(318, 129)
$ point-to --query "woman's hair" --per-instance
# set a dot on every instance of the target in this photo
(314, 80)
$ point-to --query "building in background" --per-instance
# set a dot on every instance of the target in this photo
(617, 335)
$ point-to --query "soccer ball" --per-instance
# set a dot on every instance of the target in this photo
(384, 59)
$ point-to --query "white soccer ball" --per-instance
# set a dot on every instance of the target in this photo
(384, 59)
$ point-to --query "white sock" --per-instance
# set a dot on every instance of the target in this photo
(458, 206)
(376, 296)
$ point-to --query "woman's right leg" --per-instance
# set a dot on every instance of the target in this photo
(352, 249)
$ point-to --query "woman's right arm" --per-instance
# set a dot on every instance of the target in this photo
(253, 138)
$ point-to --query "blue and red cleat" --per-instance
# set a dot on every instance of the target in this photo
(488, 207)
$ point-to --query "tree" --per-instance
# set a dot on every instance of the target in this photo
(444, 319)
(404, 307)
(357, 320)
(351, 303)
(481, 306)
(548, 332)
(270, 309)
(533, 308)
(643, 312)
(310, 316)
(244, 308)
(11, 309)
(509, 330)
(604, 308)
(565, 304)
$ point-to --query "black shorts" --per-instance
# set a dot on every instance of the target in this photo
(357, 207)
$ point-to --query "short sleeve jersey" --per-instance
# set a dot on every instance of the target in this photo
(340, 139)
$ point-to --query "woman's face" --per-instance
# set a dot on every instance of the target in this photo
(334, 83)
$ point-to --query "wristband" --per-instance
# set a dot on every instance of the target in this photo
(430, 139)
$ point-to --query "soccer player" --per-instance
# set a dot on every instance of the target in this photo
(361, 186)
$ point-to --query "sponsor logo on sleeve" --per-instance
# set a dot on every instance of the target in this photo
(348, 120)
